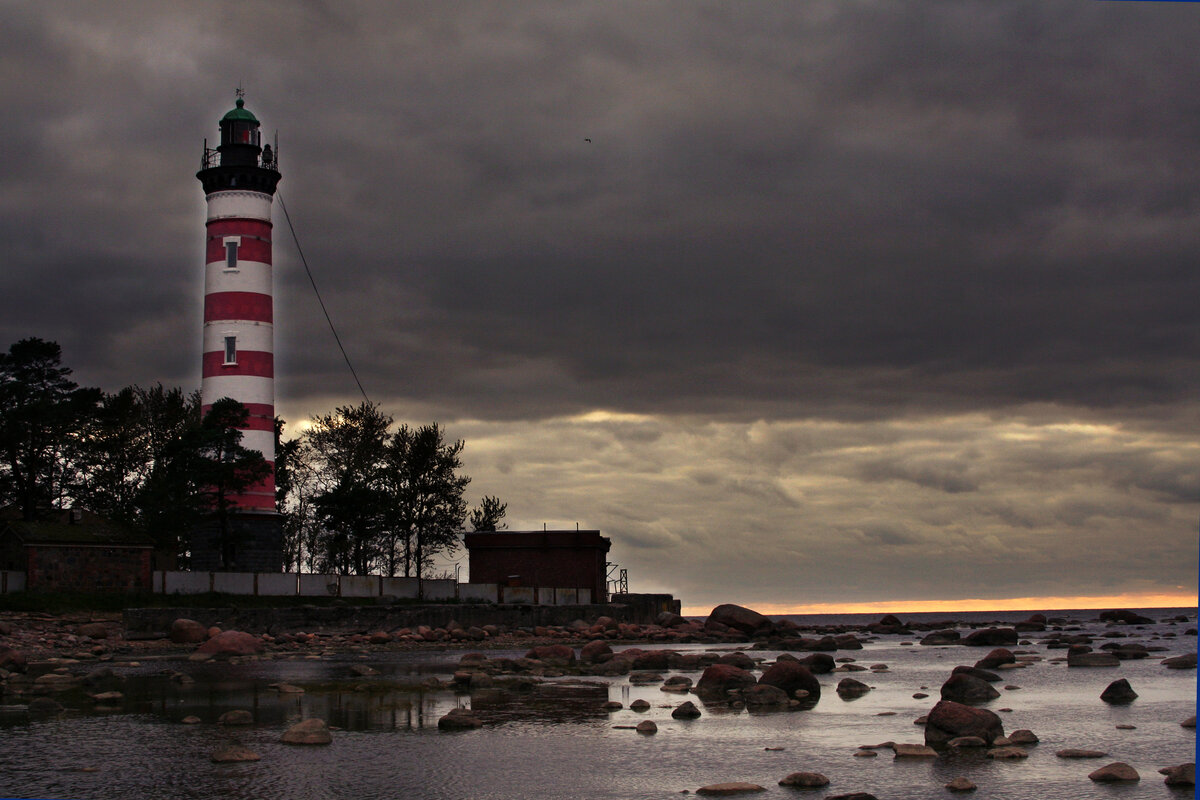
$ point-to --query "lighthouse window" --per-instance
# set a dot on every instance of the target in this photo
(231, 248)
(230, 349)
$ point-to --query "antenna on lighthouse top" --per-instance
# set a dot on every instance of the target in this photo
(240, 92)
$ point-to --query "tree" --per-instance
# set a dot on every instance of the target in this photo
(487, 515)
(223, 468)
(41, 411)
(348, 448)
(425, 491)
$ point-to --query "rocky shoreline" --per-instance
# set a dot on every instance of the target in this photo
(46, 656)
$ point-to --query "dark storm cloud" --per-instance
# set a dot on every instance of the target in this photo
(862, 206)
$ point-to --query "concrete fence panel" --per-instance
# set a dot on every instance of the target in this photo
(566, 597)
(277, 584)
(583, 596)
(477, 592)
(439, 589)
(11, 581)
(318, 585)
(545, 595)
(184, 582)
(233, 582)
(360, 585)
(404, 588)
(517, 594)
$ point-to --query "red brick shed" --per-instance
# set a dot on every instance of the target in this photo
(559, 559)
(76, 551)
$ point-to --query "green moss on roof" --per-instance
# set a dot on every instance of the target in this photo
(240, 113)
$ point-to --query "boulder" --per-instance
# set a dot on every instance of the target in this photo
(187, 631)
(1119, 692)
(1186, 661)
(1073, 752)
(310, 731)
(647, 726)
(93, 630)
(849, 688)
(555, 654)
(960, 784)
(639, 705)
(1116, 772)
(44, 707)
(938, 638)
(685, 710)
(763, 695)
(1182, 775)
(459, 719)
(234, 754)
(982, 674)
(914, 751)
(11, 660)
(231, 643)
(593, 649)
(852, 796)
(991, 637)
(676, 683)
(740, 618)
(725, 789)
(793, 676)
(236, 717)
(962, 688)
(950, 719)
(738, 659)
(718, 679)
(808, 780)
(818, 663)
(669, 619)
(1023, 736)
(1080, 655)
(1000, 655)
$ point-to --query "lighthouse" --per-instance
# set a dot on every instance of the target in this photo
(239, 179)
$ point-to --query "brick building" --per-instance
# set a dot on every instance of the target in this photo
(560, 559)
(77, 551)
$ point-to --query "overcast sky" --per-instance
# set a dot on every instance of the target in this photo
(843, 302)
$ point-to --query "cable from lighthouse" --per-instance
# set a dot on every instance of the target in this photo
(317, 292)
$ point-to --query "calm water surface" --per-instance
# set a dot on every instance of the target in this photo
(562, 745)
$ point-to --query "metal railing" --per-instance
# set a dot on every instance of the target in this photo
(212, 158)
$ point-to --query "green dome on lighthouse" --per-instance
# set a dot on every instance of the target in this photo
(240, 113)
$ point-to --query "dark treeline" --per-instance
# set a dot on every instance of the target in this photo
(356, 495)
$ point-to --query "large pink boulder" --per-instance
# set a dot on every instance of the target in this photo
(593, 650)
(720, 678)
(740, 618)
(949, 720)
(231, 643)
(187, 631)
(792, 676)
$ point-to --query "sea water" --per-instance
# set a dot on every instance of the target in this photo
(387, 744)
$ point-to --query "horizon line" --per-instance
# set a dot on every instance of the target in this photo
(1033, 604)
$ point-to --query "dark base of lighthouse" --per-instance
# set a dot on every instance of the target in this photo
(253, 543)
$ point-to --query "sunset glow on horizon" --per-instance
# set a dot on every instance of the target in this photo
(1031, 604)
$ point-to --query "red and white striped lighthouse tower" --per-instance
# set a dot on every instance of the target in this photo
(239, 179)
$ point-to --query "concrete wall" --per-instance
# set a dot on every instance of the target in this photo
(478, 592)
(403, 588)
(285, 584)
(11, 581)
